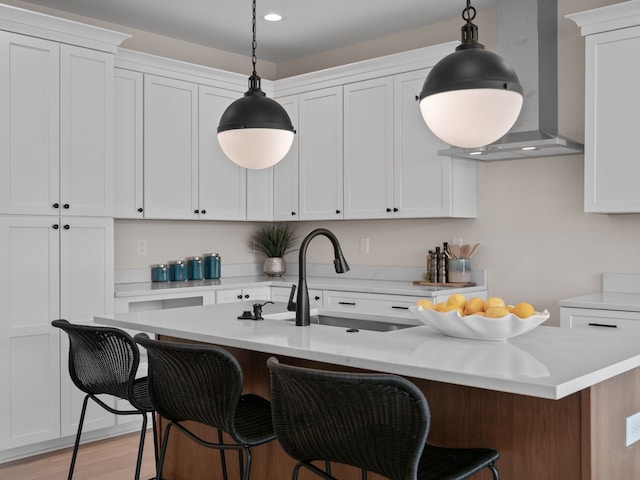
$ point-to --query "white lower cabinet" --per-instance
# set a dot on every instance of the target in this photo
(243, 294)
(397, 305)
(595, 319)
(56, 267)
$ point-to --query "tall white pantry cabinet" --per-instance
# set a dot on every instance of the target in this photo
(56, 215)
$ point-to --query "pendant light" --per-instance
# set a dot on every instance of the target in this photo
(255, 131)
(472, 97)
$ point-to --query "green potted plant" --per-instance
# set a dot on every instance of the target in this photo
(274, 241)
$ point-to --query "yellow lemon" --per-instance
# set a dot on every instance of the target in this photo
(457, 299)
(474, 305)
(452, 308)
(425, 303)
(493, 302)
(510, 308)
(524, 310)
(440, 306)
(496, 312)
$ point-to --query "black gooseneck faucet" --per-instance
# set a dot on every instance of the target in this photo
(341, 266)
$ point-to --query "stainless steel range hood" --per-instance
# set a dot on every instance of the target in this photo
(528, 40)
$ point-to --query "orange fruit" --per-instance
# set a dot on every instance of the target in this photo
(524, 310)
(425, 303)
(493, 302)
(474, 305)
(496, 312)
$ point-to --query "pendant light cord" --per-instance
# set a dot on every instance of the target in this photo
(254, 43)
(469, 13)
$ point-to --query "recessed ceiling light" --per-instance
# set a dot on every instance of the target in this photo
(529, 148)
(273, 17)
(475, 153)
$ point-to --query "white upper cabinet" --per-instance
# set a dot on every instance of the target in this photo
(170, 148)
(129, 138)
(320, 154)
(29, 128)
(426, 184)
(222, 183)
(368, 149)
(86, 131)
(285, 172)
(57, 128)
(612, 103)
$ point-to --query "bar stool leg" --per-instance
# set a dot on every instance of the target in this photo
(77, 442)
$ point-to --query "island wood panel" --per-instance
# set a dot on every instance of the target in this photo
(537, 438)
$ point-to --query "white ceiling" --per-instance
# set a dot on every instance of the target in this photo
(309, 26)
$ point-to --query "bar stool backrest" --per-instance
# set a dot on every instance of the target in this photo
(202, 383)
(102, 360)
(378, 422)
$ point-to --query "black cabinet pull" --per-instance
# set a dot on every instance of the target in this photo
(203, 212)
(602, 325)
(140, 210)
(56, 226)
(66, 205)
(347, 303)
(56, 205)
(388, 210)
(395, 209)
(246, 295)
(316, 298)
(196, 211)
(337, 211)
(293, 213)
(66, 227)
(240, 297)
(400, 308)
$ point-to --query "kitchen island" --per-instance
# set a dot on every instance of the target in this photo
(553, 401)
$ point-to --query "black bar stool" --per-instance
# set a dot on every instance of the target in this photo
(203, 383)
(376, 422)
(104, 360)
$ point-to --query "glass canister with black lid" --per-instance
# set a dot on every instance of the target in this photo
(212, 265)
(195, 268)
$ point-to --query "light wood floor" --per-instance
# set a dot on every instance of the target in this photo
(112, 459)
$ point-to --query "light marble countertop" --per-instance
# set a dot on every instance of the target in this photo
(619, 301)
(547, 362)
(321, 283)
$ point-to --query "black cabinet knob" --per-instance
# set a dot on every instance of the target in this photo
(56, 226)
(316, 298)
(246, 296)
(203, 212)
(56, 205)
(395, 209)
(338, 211)
(66, 227)
(293, 213)
(240, 297)
(388, 210)
(66, 205)
(140, 210)
(196, 211)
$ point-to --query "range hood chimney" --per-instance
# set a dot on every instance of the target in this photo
(528, 41)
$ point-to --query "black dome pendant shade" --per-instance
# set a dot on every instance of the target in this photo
(255, 131)
(471, 97)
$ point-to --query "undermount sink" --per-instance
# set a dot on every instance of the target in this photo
(349, 320)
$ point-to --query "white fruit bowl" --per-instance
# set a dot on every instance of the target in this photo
(477, 327)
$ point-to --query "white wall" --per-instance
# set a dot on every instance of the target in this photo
(537, 243)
